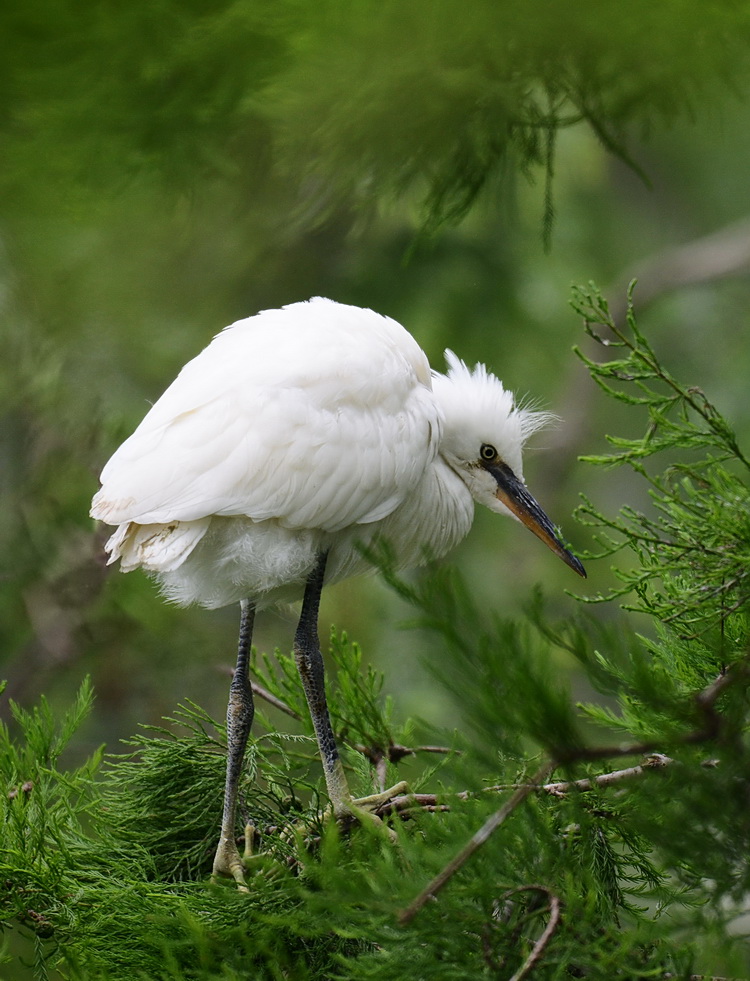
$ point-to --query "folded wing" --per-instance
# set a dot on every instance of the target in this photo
(317, 415)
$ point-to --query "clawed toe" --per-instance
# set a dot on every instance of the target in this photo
(228, 864)
(375, 801)
(364, 809)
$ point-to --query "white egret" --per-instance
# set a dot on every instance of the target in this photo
(294, 439)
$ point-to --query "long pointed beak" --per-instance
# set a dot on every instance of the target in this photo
(513, 494)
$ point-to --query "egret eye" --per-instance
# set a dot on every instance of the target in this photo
(488, 452)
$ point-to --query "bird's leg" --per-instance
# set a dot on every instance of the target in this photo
(240, 711)
(310, 665)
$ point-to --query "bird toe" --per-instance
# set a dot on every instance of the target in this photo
(228, 865)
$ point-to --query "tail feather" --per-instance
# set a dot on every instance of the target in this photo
(156, 548)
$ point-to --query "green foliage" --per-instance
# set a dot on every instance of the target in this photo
(358, 104)
(622, 873)
(108, 901)
(693, 546)
(447, 100)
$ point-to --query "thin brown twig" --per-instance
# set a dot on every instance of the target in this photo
(444, 750)
(441, 802)
(540, 946)
(378, 757)
(652, 762)
(393, 753)
(705, 700)
(269, 697)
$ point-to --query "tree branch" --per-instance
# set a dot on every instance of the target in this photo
(540, 946)
(269, 697)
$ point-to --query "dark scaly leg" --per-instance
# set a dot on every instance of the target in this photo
(240, 711)
(310, 665)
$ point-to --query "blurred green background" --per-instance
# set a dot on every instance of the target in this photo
(167, 168)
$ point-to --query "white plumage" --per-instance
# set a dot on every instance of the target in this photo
(294, 439)
(300, 430)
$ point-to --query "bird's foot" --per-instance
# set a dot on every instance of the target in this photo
(365, 809)
(227, 862)
(375, 802)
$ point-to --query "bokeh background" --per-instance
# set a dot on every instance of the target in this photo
(168, 168)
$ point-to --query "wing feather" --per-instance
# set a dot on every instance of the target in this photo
(318, 415)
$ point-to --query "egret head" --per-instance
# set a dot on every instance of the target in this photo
(483, 441)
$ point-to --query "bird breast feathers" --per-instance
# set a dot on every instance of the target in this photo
(317, 429)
